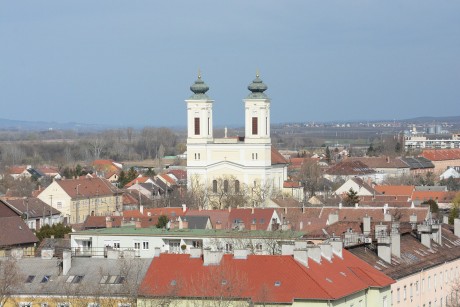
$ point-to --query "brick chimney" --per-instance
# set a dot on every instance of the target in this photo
(108, 222)
(218, 225)
(184, 224)
(253, 225)
(138, 223)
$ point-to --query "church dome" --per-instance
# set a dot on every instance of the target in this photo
(199, 89)
(257, 88)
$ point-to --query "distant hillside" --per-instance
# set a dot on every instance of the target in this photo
(428, 119)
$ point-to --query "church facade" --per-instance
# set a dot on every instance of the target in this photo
(231, 164)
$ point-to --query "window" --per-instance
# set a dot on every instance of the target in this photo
(258, 247)
(225, 186)
(25, 304)
(214, 186)
(137, 245)
(208, 125)
(124, 305)
(44, 305)
(254, 126)
(63, 305)
(398, 295)
(228, 247)
(197, 126)
(429, 282)
(237, 186)
(45, 279)
(145, 245)
(93, 305)
(77, 279)
(197, 244)
(59, 205)
(116, 245)
(416, 287)
(405, 293)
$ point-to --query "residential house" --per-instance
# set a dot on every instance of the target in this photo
(387, 166)
(78, 198)
(305, 275)
(442, 158)
(15, 237)
(424, 260)
(349, 169)
(18, 172)
(35, 212)
(49, 281)
(450, 172)
(358, 185)
(419, 165)
(145, 241)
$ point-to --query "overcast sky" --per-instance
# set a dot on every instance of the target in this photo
(132, 62)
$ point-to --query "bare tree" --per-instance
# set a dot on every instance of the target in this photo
(10, 280)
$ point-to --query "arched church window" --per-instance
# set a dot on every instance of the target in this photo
(225, 186)
(214, 186)
(237, 186)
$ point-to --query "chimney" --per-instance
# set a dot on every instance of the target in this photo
(252, 210)
(172, 224)
(218, 225)
(326, 250)
(66, 261)
(301, 255)
(141, 209)
(287, 249)
(314, 252)
(241, 253)
(425, 234)
(212, 257)
(413, 220)
(285, 210)
(356, 206)
(156, 252)
(184, 224)
(108, 222)
(333, 218)
(184, 207)
(457, 227)
(337, 246)
(253, 226)
(47, 253)
(229, 208)
(301, 226)
(387, 217)
(195, 252)
(300, 244)
(445, 219)
(383, 243)
(366, 225)
(395, 240)
(303, 208)
(138, 223)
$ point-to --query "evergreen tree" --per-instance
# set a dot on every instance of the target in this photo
(162, 221)
(351, 198)
(453, 214)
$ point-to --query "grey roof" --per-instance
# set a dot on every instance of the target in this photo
(417, 162)
(439, 188)
(197, 222)
(92, 269)
(199, 89)
(31, 206)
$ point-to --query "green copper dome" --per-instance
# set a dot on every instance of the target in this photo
(199, 89)
(257, 88)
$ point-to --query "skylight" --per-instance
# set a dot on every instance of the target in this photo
(45, 278)
(277, 283)
(173, 282)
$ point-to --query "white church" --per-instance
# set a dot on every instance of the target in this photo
(232, 162)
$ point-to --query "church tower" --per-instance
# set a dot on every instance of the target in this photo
(257, 113)
(199, 114)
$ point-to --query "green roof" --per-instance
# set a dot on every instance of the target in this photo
(130, 231)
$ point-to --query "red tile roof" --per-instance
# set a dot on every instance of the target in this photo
(87, 187)
(277, 158)
(16, 169)
(270, 279)
(179, 174)
(380, 162)
(261, 217)
(405, 190)
(441, 154)
(291, 184)
(141, 179)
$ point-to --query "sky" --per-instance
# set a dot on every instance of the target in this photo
(131, 63)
